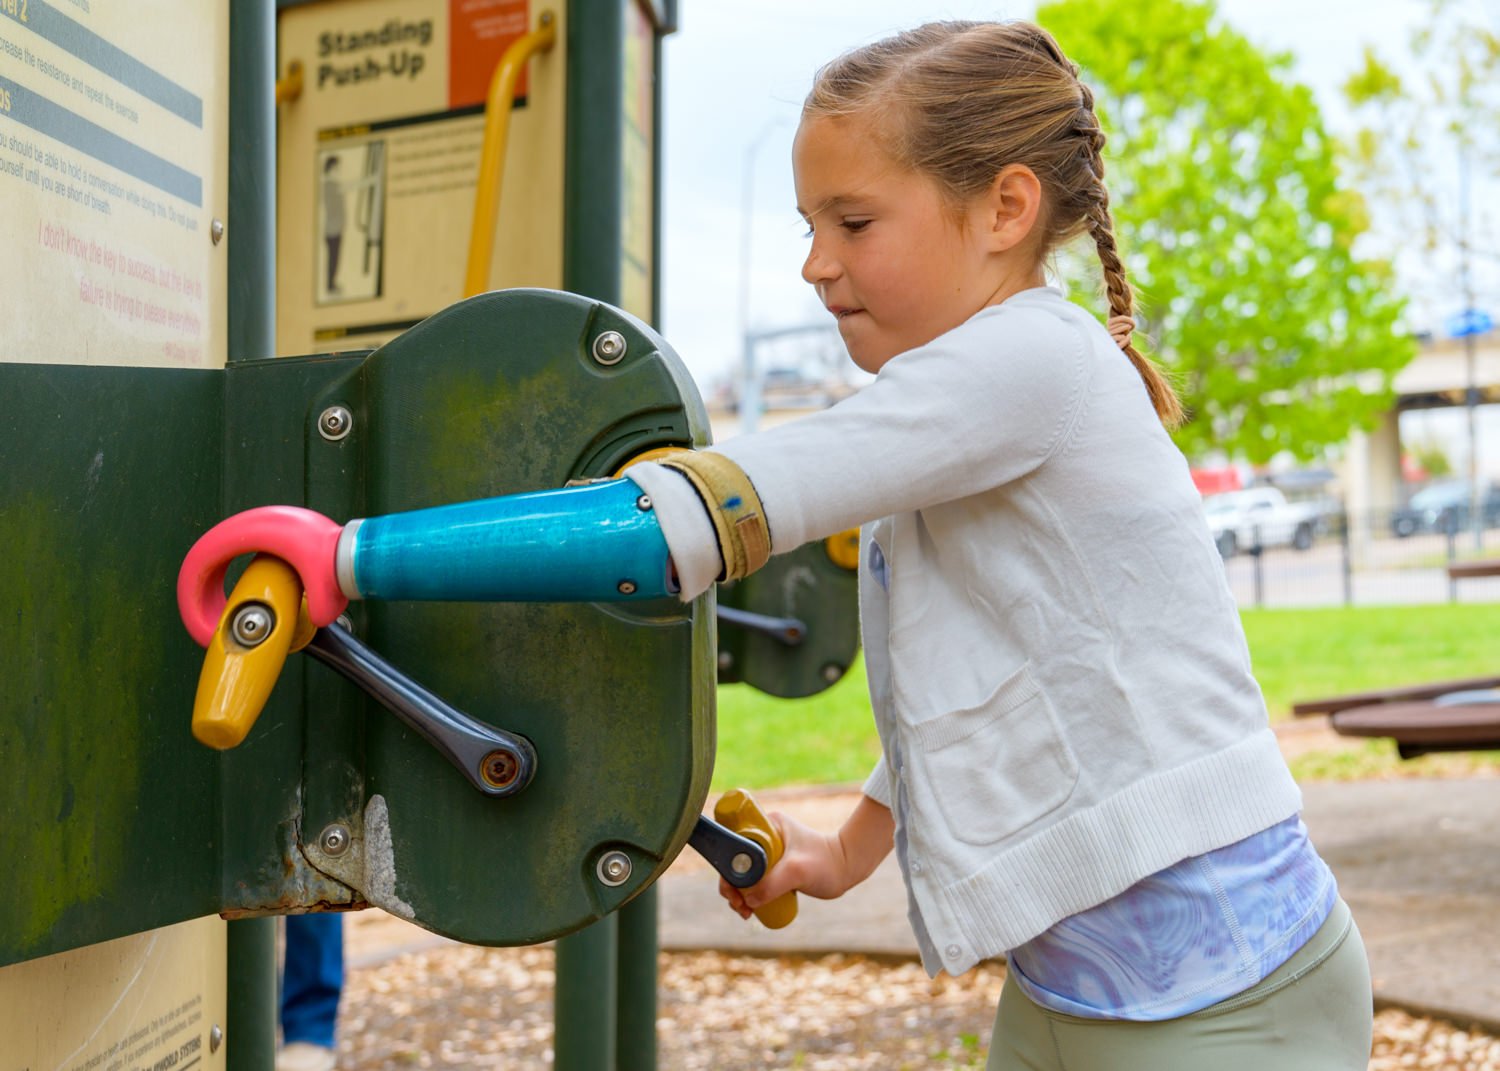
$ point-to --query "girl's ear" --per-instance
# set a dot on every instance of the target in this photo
(1011, 207)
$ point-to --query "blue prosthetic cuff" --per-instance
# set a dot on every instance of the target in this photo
(591, 543)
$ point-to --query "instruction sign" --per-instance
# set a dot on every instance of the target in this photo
(113, 167)
(149, 1002)
(379, 159)
(638, 155)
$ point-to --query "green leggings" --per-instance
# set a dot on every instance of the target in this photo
(1313, 1013)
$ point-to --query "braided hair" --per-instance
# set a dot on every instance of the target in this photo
(960, 101)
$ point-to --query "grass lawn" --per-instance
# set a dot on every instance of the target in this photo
(1297, 654)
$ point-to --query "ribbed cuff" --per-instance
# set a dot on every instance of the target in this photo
(878, 785)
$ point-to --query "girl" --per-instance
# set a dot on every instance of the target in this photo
(1077, 769)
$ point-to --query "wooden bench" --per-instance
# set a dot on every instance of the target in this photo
(1419, 728)
(1475, 567)
(1409, 695)
(1412, 715)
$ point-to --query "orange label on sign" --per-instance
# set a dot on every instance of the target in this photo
(479, 33)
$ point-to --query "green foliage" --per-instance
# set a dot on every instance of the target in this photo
(1432, 458)
(1424, 137)
(1235, 229)
(968, 1054)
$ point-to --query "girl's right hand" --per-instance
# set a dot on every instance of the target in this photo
(811, 863)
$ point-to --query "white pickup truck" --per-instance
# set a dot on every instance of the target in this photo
(1259, 517)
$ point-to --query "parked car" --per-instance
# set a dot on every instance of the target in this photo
(1259, 517)
(1444, 507)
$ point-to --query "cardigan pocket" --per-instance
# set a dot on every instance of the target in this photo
(997, 767)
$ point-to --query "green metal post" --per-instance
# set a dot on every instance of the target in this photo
(636, 1000)
(250, 1020)
(594, 183)
(584, 1007)
(250, 1027)
(639, 941)
(584, 1002)
(251, 227)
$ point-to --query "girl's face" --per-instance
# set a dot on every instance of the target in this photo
(891, 259)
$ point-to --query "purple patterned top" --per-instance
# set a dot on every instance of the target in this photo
(1186, 937)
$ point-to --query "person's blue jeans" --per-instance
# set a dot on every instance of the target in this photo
(312, 978)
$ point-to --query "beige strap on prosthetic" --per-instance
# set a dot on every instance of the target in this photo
(738, 517)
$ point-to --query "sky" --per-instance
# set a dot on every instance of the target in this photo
(734, 78)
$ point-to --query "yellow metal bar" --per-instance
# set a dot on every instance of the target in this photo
(290, 87)
(492, 155)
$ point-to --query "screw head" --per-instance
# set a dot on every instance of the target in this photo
(500, 768)
(741, 863)
(252, 623)
(334, 840)
(335, 422)
(215, 1038)
(643, 503)
(216, 231)
(627, 587)
(609, 348)
(832, 672)
(613, 868)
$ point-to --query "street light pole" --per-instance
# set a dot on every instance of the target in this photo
(1471, 392)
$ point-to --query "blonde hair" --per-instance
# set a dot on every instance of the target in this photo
(959, 101)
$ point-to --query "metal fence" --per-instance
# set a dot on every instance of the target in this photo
(1365, 560)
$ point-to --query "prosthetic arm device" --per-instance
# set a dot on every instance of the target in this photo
(594, 542)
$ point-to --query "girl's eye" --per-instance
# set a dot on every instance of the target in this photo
(855, 225)
(809, 231)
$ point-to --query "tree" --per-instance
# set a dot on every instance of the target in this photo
(1235, 230)
(1425, 142)
(1431, 458)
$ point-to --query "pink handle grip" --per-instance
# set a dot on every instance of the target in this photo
(305, 540)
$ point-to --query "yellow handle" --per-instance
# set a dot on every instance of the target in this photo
(492, 154)
(843, 549)
(738, 812)
(289, 87)
(242, 663)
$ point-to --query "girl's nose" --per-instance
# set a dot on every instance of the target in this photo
(817, 268)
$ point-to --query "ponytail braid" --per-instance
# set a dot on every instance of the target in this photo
(1101, 227)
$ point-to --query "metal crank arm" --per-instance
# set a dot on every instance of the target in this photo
(739, 860)
(496, 762)
(789, 630)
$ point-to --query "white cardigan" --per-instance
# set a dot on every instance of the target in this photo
(1058, 672)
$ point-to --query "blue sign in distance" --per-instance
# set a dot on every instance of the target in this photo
(1468, 322)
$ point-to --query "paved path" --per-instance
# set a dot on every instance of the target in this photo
(1417, 860)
